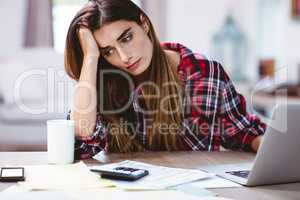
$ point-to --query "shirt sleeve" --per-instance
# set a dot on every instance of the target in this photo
(90, 146)
(240, 128)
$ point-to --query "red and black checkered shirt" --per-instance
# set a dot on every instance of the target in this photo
(215, 113)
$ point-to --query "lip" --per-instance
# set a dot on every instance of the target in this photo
(134, 65)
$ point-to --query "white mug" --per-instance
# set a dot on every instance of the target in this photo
(60, 141)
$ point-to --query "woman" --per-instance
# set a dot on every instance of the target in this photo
(134, 93)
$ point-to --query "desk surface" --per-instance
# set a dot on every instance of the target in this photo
(178, 159)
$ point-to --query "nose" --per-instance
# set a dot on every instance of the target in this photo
(124, 56)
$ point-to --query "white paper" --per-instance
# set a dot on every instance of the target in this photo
(214, 182)
(115, 194)
(18, 192)
(194, 190)
(14, 189)
(101, 157)
(159, 177)
(61, 177)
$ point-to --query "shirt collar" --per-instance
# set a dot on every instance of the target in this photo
(181, 49)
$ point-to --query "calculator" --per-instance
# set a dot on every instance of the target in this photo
(122, 173)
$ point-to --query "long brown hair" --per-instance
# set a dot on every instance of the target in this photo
(116, 89)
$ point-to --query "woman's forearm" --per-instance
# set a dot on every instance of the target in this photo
(85, 102)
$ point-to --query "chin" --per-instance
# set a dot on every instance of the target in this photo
(136, 73)
(140, 70)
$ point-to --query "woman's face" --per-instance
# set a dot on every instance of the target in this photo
(126, 45)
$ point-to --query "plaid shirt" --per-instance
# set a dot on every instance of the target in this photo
(214, 112)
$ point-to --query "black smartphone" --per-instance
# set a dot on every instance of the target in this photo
(12, 174)
(122, 173)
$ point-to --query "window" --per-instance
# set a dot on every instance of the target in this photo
(63, 13)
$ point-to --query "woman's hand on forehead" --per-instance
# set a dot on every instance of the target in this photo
(85, 13)
(88, 43)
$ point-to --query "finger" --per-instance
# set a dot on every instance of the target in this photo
(81, 22)
(84, 14)
(80, 33)
(84, 22)
(83, 25)
(85, 18)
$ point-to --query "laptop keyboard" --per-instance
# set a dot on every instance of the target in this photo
(243, 174)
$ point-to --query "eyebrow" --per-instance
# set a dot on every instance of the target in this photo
(119, 38)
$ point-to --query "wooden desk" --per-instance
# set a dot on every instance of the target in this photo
(178, 159)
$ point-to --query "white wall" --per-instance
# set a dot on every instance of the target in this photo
(12, 15)
(156, 10)
(279, 36)
(193, 22)
(291, 43)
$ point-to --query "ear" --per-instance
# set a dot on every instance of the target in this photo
(144, 23)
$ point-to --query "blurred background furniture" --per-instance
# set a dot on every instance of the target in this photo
(34, 88)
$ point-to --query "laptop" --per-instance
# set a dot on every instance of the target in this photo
(278, 158)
